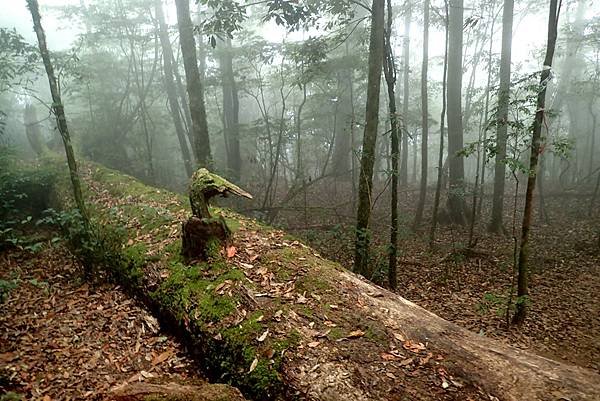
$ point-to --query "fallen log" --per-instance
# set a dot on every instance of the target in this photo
(278, 321)
(175, 391)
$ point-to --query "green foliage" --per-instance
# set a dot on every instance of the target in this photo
(99, 247)
(24, 191)
(17, 59)
(6, 286)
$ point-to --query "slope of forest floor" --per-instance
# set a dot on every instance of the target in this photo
(65, 339)
(470, 286)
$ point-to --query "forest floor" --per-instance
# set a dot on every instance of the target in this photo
(62, 338)
(470, 287)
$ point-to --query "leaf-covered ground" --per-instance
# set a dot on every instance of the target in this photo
(63, 339)
(470, 288)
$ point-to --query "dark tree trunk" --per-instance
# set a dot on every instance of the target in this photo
(199, 129)
(171, 89)
(523, 267)
(456, 196)
(405, 95)
(496, 224)
(440, 174)
(376, 50)
(58, 108)
(389, 68)
(424, 118)
(231, 112)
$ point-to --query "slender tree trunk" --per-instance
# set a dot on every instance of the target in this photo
(342, 148)
(389, 68)
(424, 118)
(496, 224)
(199, 129)
(440, 174)
(299, 165)
(523, 268)
(456, 192)
(405, 95)
(376, 50)
(58, 108)
(171, 89)
(33, 130)
(231, 112)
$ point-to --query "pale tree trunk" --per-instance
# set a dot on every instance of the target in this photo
(33, 130)
(496, 224)
(342, 147)
(171, 89)
(199, 129)
(389, 68)
(440, 174)
(456, 200)
(405, 94)
(363, 216)
(523, 267)
(231, 112)
(424, 118)
(58, 108)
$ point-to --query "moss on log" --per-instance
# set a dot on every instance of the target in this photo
(280, 322)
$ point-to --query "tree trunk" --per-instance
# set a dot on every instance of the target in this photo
(58, 108)
(424, 118)
(496, 224)
(231, 112)
(199, 129)
(405, 95)
(376, 50)
(342, 142)
(523, 268)
(440, 174)
(389, 68)
(171, 89)
(456, 200)
(33, 130)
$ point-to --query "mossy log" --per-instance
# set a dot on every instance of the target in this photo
(204, 238)
(280, 322)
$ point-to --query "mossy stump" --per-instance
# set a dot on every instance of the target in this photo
(205, 236)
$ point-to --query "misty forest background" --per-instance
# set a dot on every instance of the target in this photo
(394, 137)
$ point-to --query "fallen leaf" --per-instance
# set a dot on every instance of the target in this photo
(263, 336)
(163, 357)
(356, 334)
(253, 365)
(314, 344)
(231, 251)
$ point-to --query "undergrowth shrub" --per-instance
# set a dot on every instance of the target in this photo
(25, 191)
(98, 247)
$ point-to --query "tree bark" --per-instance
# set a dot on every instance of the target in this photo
(389, 69)
(424, 118)
(440, 173)
(496, 224)
(58, 108)
(456, 200)
(376, 50)
(167, 53)
(231, 112)
(199, 129)
(405, 95)
(523, 266)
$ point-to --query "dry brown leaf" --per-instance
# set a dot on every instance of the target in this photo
(356, 334)
(314, 344)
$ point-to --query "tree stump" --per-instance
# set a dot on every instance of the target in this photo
(205, 236)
